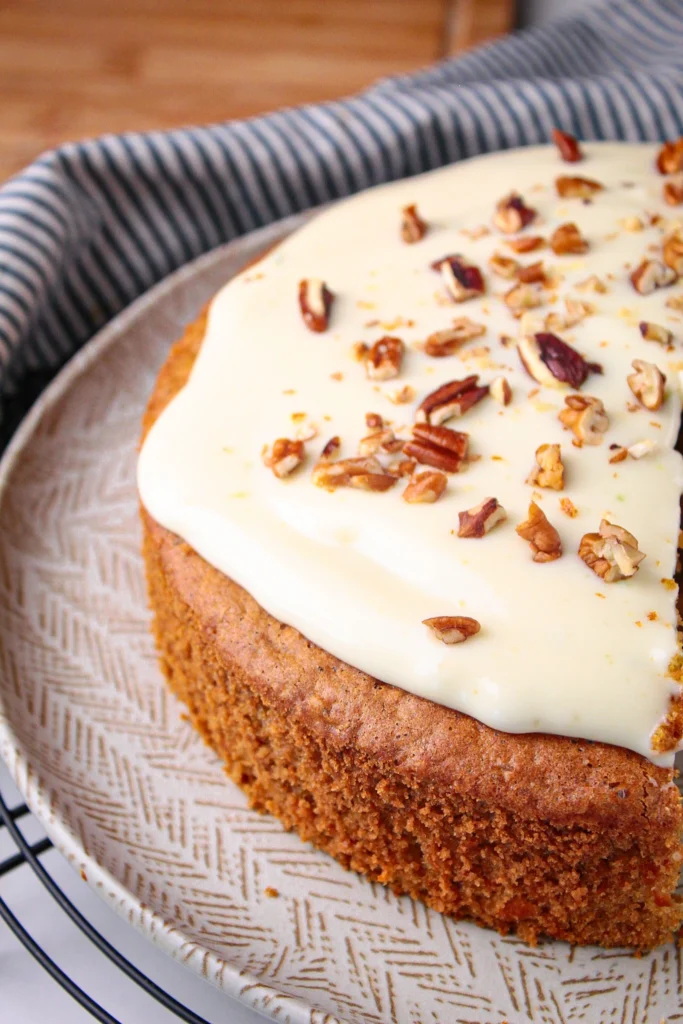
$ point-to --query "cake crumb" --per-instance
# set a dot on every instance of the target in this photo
(270, 892)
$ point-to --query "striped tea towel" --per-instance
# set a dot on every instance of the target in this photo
(91, 225)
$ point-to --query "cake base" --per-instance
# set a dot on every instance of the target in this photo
(533, 833)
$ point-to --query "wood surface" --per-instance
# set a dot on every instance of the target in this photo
(76, 68)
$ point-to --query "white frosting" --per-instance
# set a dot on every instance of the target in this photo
(356, 572)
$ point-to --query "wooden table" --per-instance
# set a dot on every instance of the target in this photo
(76, 68)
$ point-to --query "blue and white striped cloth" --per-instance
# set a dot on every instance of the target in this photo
(91, 225)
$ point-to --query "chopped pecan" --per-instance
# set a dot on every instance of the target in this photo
(670, 157)
(552, 362)
(413, 228)
(367, 474)
(672, 190)
(425, 488)
(383, 361)
(315, 302)
(452, 629)
(373, 421)
(533, 273)
(404, 467)
(655, 332)
(480, 520)
(592, 284)
(450, 339)
(549, 470)
(512, 214)
(577, 188)
(569, 508)
(330, 450)
(567, 239)
(463, 280)
(525, 243)
(567, 145)
(503, 266)
(523, 297)
(619, 453)
(586, 417)
(359, 351)
(612, 553)
(500, 390)
(380, 441)
(577, 310)
(650, 275)
(672, 252)
(401, 396)
(543, 538)
(438, 446)
(647, 384)
(451, 399)
(284, 456)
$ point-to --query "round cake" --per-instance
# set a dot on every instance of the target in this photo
(481, 716)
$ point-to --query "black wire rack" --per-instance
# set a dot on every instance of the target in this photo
(29, 854)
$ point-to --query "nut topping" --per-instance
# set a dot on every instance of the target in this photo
(330, 450)
(438, 446)
(500, 391)
(673, 253)
(373, 421)
(543, 538)
(655, 332)
(452, 629)
(380, 441)
(315, 302)
(553, 362)
(670, 157)
(367, 474)
(526, 243)
(592, 284)
(567, 239)
(462, 280)
(450, 339)
(480, 520)
(577, 188)
(549, 470)
(512, 214)
(673, 190)
(383, 361)
(425, 488)
(523, 297)
(567, 145)
(647, 384)
(612, 553)
(586, 417)
(533, 273)
(284, 456)
(413, 228)
(401, 396)
(503, 266)
(650, 275)
(451, 399)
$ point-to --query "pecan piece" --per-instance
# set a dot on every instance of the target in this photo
(543, 538)
(367, 474)
(672, 252)
(577, 188)
(315, 302)
(503, 266)
(567, 145)
(383, 360)
(533, 273)
(480, 520)
(523, 297)
(586, 417)
(655, 332)
(500, 390)
(450, 339)
(553, 362)
(526, 243)
(549, 469)
(451, 399)
(670, 157)
(438, 446)
(284, 456)
(401, 396)
(452, 629)
(672, 190)
(462, 280)
(373, 421)
(650, 275)
(380, 441)
(647, 384)
(568, 240)
(512, 214)
(413, 228)
(425, 488)
(612, 553)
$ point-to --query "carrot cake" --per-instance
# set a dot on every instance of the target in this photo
(410, 498)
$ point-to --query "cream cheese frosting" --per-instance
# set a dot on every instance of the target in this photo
(559, 650)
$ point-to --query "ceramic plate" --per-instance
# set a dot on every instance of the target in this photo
(137, 802)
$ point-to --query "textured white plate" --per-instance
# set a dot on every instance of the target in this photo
(141, 807)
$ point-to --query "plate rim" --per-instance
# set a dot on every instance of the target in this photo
(223, 974)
